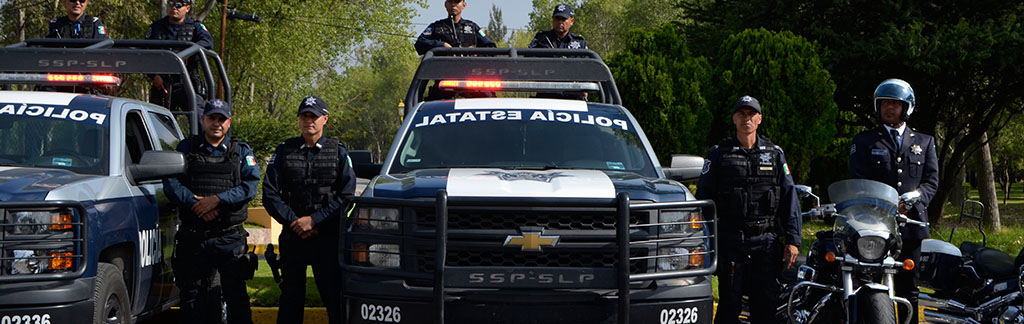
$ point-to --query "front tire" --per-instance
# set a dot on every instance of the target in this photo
(875, 306)
(111, 304)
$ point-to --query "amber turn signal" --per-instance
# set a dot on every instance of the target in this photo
(908, 264)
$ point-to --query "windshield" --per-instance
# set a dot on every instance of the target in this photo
(48, 142)
(599, 139)
(864, 205)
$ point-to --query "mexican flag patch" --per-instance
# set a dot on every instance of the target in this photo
(102, 30)
(250, 160)
(785, 166)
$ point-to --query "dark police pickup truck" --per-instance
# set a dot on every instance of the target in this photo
(508, 197)
(86, 233)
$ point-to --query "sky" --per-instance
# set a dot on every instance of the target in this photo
(515, 13)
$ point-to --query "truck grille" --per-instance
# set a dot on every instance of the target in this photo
(513, 220)
(458, 257)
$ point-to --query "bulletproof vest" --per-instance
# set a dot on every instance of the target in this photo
(208, 175)
(461, 34)
(306, 186)
(65, 28)
(748, 188)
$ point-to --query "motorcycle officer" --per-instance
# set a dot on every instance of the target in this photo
(904, 159)
(212, 198)
(758, 216)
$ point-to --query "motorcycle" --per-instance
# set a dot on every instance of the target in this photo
(849, 273)
(972, 283)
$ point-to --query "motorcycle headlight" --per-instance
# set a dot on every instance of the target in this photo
(680, 222)
(29, 222)
(377, 218)
(871, 247)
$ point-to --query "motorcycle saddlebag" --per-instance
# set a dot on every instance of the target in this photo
(939, 263)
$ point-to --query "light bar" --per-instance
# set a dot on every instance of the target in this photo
(59, 78)
(498, 85)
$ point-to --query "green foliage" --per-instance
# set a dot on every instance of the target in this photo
(664, 91)
(496, 28)
(606, 23)
(783, 71)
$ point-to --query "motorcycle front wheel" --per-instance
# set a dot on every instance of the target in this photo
(874, 306)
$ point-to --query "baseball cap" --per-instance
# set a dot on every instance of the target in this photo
(747, 101)
(564, 11)
(217, 106)
(314, 105)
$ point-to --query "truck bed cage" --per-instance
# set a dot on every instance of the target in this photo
(47, 55)
(512, 64)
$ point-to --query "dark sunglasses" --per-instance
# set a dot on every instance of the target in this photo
(82, 1)
(178, 4)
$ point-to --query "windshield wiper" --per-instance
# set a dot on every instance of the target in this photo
(548, 166)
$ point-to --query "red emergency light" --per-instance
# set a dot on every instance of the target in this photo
(471, 84)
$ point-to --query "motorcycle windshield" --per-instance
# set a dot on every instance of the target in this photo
(865, 205)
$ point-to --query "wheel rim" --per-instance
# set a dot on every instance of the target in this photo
(112, 309)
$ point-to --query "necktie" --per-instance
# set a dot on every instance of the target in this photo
(897, 138)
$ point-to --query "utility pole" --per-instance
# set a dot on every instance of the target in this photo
(223, 32)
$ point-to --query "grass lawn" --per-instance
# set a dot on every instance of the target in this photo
(263, 291)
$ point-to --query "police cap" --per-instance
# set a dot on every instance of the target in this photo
(563, 11)
(747, 101)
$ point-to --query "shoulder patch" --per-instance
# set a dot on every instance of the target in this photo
(429, 31)
(482, 33)
(203, 26)
(250, 160)
(707, 166)
(101, 30)
(853, 148)
(53, 21)
(272, 157)
(785, 166)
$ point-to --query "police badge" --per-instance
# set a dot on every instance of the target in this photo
(916, 149)
(766, 158)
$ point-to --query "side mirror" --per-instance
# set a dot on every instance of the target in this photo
(156, 165)
(684, 167)
(362, 164)
(803, 191)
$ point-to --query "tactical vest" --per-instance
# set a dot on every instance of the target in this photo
(306, 186)
(64, 28)
(209, 175)
(748, 188)
(455, 33)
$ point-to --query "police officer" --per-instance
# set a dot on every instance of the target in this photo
(758, 216)
(221, 178)
(453, 31)
(904, 159)
(177, 25)
(559, 36)
(304, 190)
(76, 25)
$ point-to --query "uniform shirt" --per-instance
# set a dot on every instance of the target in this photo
(163, 29)
(464, 33)
(549, 39)
(788, 212)
(179, 195)
(914, 166)
(344, 186)
(75, 28)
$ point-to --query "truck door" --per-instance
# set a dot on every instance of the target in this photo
(162, 288)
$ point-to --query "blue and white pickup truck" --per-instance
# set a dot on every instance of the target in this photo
(495, 207)
(86, 233)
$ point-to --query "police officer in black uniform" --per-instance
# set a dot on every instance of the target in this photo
(178, 25)
(904, 159)
(559, 36)
(453, 31)
(212, 199)
(304, 189)
(758, 216)
(76, 25)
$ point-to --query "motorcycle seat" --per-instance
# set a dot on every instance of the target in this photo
(990, 263)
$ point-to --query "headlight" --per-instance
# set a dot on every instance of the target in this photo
(377, 255)
(679, 258)
(39, 261)
(680, 222)
(377, 218)
(39, 222)
(871, 247)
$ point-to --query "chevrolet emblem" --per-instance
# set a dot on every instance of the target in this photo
(531, 241)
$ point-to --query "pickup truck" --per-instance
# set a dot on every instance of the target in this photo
(86, 233)
(519, 190)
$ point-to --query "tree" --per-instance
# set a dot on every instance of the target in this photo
(784, 72)
(496, 28)
(665, 91)
(606, 23)
(1008, 155)
(961, 57)
(986, 183)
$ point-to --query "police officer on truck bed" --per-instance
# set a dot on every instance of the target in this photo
(304, 189)
(559, 36)
(758, 216)
(212, 197)
(904, 159)
(76, 24)
(167, 90)
(453, 31)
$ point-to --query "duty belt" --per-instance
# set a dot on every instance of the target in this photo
(751, 228)
(210, 233)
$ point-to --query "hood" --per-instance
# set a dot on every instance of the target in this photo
(569, 183)
(32, 184)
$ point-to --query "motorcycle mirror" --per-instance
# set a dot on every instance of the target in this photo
(911, 197)
(804, 191)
